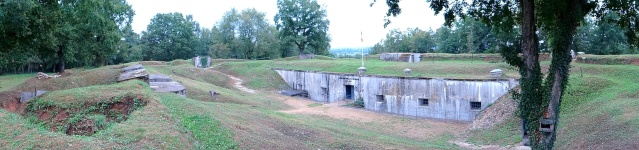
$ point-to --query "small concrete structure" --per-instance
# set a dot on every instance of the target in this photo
(361, 70)
(401, 57)
(159, 78)
(453, 99)
(134, 72)
(173, 87)
(197, 61)
(132, 68)
(496, 73)
(164, 83)
(300, 93)
(26, 96)
(407, 72)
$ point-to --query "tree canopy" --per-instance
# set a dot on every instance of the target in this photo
(304, 24)
(170, 36)
(245, 35)
(80, 32)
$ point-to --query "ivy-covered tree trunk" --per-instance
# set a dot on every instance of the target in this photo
(562, 34)
(530, 98)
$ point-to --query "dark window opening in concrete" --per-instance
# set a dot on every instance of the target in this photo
(475, 105)
(350, 91)
(324, 91)
(423, 102)
(380, 98)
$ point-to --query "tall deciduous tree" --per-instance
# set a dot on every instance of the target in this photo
(539, 100)
(303, 23)
(170, 36)
(74, 31)
(245, 35)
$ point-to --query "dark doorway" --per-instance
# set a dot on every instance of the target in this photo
(350, 92)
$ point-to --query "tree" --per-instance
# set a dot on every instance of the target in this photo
(245, 35)
(539, 99)
(65, 31)
(170, 36)
(304, 24)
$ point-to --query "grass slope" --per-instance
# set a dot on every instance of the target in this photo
(9, 81)
(598, 111)
(257, 124)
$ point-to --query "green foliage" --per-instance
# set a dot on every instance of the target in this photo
(245, 35)
(9, 81)
(76, 32)
(302, 23)
(210, 133)
(170, 36)
(359, 103)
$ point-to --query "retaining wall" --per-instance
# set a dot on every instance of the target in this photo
(446, 98)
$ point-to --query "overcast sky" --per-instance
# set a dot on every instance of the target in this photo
(347, 17)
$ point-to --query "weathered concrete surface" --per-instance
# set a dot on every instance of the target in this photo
(173, 87)
(159, 78)
(134, 72)
(446, 98)
(403, 57)
(26, 96)
(197, 61)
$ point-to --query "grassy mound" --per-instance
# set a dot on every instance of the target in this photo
(180, 62)
(75, 78)
(609, 59)
(598, 111)
(83, 111)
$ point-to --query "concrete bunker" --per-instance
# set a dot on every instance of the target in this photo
(134, 72)
(202, 61)
(453, 99)
(162, 83)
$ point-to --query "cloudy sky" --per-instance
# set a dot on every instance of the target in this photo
(347, 17)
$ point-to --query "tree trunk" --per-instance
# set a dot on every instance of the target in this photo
(60, 65)
(557, 79)
(531, 99)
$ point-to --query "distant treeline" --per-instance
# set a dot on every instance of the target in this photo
(471, 36)
(50, 36)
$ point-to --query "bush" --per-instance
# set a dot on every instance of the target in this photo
(359, 103)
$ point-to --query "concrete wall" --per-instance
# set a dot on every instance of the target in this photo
(447, 98)
(402, 57)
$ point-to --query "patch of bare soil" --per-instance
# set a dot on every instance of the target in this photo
(488, 147)
(76, 121)
(11, 102)
(416, 128)
(497, 113)
(237, 82)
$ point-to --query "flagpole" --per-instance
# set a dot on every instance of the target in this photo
(361, 35)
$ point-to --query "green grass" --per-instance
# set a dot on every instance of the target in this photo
(598, 111)
(9, 81)
(80, 97)
(258, 74)
(147, 128)
(314, 105)
(197, 119)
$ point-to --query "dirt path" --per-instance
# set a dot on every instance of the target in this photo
(417, 128)
(488, 147)
(237, 83)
